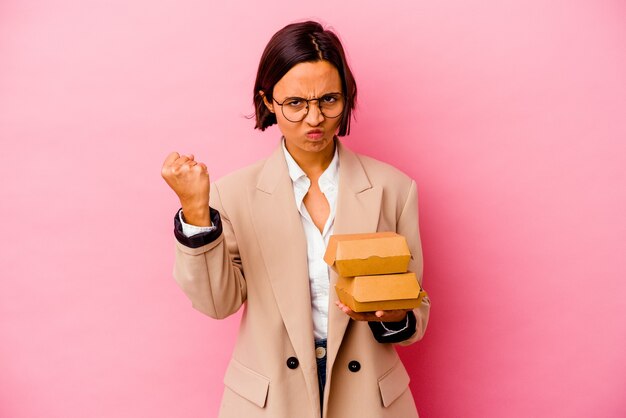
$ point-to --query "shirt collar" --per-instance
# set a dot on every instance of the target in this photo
(295, 172)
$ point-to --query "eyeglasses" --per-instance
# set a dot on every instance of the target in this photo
(295, 109)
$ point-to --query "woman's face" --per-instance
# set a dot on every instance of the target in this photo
(308, 80)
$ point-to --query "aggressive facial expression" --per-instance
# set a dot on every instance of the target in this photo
(307, 80)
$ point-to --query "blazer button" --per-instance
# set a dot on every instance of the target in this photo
(354, 366)
(292, 363)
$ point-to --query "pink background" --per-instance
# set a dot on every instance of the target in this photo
(511, 115)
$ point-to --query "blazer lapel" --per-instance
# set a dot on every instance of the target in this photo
(358, 210)
(282, 244)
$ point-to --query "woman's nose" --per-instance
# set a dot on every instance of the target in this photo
(314, 115)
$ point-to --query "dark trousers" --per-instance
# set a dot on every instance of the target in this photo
(321, 369)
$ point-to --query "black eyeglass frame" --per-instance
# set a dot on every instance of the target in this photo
(315, 99)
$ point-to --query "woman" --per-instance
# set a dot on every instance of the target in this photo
(261, 241)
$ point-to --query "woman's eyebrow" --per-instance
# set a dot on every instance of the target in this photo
(321, 95)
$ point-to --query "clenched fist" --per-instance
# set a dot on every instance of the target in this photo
(190, 181)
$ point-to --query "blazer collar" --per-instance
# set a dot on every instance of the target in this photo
(274, 169)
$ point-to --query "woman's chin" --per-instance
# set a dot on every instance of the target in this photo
(317, 145)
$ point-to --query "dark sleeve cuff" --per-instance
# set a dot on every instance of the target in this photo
(379, 332)
(202, 238)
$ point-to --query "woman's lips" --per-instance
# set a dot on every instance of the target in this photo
(315, 134)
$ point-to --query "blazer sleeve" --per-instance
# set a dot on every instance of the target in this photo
(211, 275)
(408, 226)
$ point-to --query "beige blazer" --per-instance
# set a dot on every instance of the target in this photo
(260, 262)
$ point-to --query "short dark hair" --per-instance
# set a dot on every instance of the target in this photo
(294, 44)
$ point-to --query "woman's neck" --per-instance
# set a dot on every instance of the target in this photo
(314, 163)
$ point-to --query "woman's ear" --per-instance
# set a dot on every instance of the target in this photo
(266, 102)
